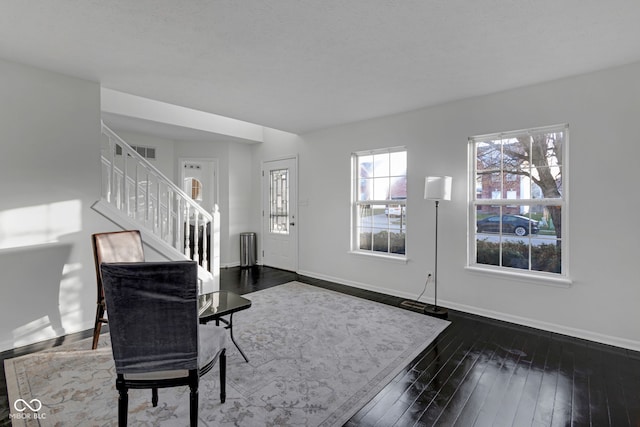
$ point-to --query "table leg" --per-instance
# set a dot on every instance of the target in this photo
(233, 339)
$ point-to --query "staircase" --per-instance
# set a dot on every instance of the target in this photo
(136, 195)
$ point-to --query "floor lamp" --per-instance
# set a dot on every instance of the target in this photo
(437, 188)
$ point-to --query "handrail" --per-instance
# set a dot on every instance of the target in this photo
(133, 153)
(159, 205)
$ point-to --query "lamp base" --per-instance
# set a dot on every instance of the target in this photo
(434, 311)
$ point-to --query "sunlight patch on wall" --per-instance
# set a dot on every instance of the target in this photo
(34, 225)
(70, 295)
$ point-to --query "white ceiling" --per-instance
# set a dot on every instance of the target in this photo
(302, 65)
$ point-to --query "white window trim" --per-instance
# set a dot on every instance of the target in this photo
(538, 277)
(353, 241)
(379, 255)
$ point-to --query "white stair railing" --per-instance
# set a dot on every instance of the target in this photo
(140, 191)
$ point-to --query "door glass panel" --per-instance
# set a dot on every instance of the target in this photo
(193, 187)
(279, 201)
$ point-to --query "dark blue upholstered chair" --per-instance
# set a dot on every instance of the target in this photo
(156, 338)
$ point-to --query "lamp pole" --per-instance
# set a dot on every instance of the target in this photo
(435, 310)
(436, 189)
(435, 270)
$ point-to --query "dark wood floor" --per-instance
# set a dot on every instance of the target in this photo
(478, 372)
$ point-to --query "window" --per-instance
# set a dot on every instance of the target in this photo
(279, 201)
(379, 205)
(518, 207)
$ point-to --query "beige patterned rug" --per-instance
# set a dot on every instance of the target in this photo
(315, 358)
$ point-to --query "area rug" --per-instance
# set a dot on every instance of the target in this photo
(315, 358)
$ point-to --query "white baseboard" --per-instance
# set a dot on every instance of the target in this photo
(235, 264)
(537, 324)
(352, 283)
(231, 264)
(546, 326)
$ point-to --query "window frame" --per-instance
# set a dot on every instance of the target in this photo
(356, 204)
(529, 275)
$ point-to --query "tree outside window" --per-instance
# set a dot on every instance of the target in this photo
(518, 205)
(379, 202)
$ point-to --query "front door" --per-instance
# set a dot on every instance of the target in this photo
(279, 214)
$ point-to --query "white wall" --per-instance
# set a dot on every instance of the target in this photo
(50, 154)
(240, 197)
(602, 110)
(125, 104)
(50, 150)
(49, 158)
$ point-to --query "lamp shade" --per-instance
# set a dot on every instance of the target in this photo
(437, 188)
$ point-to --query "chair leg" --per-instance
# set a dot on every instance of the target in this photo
(97, 326)
(123, 404)
(154, 396)
(223, 375)
(193, 398)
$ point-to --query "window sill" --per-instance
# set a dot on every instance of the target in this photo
(390, 258)
(540, 279)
